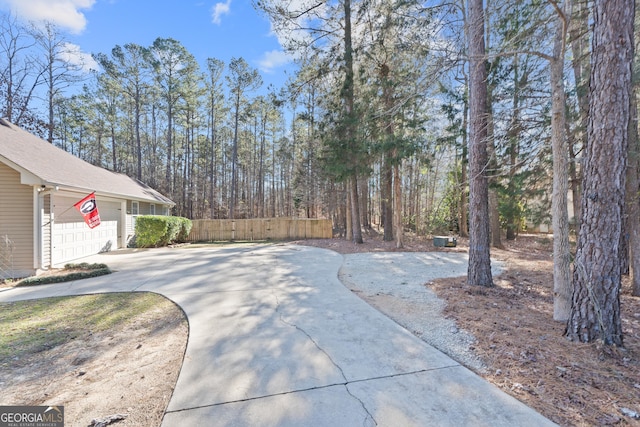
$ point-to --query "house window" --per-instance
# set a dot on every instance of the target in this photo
(152, 209)
(135, 209)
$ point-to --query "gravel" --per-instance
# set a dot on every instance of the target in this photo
(394, 283)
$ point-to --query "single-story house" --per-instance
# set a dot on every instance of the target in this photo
(39, 185)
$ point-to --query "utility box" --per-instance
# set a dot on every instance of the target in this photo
(444, 241)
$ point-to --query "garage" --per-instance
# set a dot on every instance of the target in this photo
(73, 239)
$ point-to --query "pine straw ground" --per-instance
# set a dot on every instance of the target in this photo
(524, 350)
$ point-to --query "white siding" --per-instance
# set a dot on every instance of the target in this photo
(46, 231)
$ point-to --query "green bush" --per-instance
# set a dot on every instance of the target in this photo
(155, 231)
(151, 230)
(85, 266)
(185, 229)
(86, 271)
(173, 228)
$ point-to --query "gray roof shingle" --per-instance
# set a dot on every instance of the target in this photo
(54, 166)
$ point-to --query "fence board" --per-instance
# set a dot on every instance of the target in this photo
(211, 230)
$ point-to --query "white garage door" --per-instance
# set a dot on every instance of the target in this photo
(73, 239)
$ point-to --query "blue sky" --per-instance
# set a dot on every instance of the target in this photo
(206, 28)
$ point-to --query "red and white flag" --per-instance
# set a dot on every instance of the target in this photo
(89, 210)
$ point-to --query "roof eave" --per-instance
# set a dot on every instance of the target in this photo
(81, 190)
(26, 177)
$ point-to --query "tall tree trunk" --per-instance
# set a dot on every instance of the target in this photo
(114, 148)
(512, 214)
(261, 172)
(234, 159)
(595, 312)
(312, 204)
(356, 229)
(494, 212)
(416, 199)
(348, 217)
(363, 195)
(479, 272)
(579, 37)
(350, 125)
(492, 162)
(494, 217)
(397, 209)
(560, 217)
(168, 174)
(274, 193)
(387, 197)
(138, 138)
(575, 179)
(633, 200)
(213, 161)
(463, 227)
(50, 94)
(389, 157)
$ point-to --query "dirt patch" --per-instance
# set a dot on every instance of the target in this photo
(523, 349)
(129, 369)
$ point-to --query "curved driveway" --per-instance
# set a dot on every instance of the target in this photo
(275, 339)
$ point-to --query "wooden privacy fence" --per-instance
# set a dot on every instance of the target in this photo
(212, 230)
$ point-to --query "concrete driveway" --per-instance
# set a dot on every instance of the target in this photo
(275, 339)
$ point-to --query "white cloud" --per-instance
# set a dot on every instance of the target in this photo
(74, 56)
(218, 10)
(63, 13)
(273, 59)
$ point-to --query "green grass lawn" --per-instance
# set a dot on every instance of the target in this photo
(33, 326)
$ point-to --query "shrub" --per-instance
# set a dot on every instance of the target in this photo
(173, 228)
(185, 229)
(150, 230)
(154, 230)
(86, 271)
